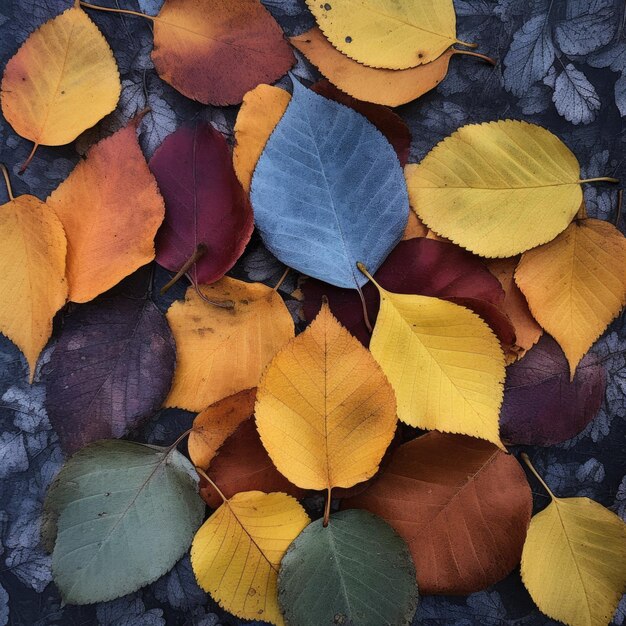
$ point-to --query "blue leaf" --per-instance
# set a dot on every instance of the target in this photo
(328, 191)
(620, 94)
(613, 57)
(575, 97)
(530, 56)
(591, 25)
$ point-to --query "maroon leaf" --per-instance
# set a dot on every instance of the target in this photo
(204, 203)
(111, 368)
(541, 407)
(424, 267)
(388, 123)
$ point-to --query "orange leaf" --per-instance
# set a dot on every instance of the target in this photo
(111, 209)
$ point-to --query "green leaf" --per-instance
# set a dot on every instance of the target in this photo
(124, 514)
(357, 570)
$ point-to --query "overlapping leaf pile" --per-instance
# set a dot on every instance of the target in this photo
(427, 288)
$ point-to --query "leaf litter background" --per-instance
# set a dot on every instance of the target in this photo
(565, 69)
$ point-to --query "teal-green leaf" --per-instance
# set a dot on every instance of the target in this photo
(356, 571)
(124, 514)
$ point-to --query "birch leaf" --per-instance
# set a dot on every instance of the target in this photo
(497, 188)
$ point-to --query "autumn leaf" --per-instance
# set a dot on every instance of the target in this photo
(541, 406)
(576, 284)
(370, 84)
(358, 564)
(443, 362)
(236, 553)
(527, 331)
(574, 560)
(487, 181)
(205, 205)
(325, 411)
(242, 464)
(461, 504)
(221, 351)
(110, 370)
(136, 508)
(32, 281)
(61, 81)
(110, 208)
(318, 208)
(388, 33)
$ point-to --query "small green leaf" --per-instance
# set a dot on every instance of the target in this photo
(124, 514)
(357, 570)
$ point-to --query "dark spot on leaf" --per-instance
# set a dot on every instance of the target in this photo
(108, 493)
(327, 7)
(348, 39)
(340, 618)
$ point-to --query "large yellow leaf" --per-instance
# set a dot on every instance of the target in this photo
(576, 284)
(574, 561)
(395, 34)
(325, 411)
(260, 111)
(444, 363)
(497, 189)
(61, 81)
(237, 552)
(221, 351)
(32, 280)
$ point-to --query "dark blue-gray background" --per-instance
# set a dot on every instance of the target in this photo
(561, 64)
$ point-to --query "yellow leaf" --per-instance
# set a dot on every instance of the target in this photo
(497, 189)
(221, 351)
(236, 553)
(61, 81)
(325, 411)
(394, 34)
(444, 363)
(260, 111)
(576, 284)
(32, 281)
(111, 208)
(574, 561)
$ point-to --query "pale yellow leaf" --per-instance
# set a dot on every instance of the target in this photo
(576, 284)
(325, 411)
(498, 188)
(236, 553)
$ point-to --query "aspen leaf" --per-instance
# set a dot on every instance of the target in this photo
(325, 411)
(462, 505)
(357, 564)
(370, 84)
(110, 208)
(444, 363)
(236, 553)
(497, 188)
(61, 81)
(388, 33)
(574, 561)
(32, 281)
(222, 351)
(576, 284)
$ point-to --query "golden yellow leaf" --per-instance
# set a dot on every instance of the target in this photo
(260, 111)
(325, 411)
(111, 208)
(236, 553)
(221, 351)
(61, 81)
(394, 34)
(574, 561)
(576, 284)
(32, 281)
(444, 363)
(498, 188)
(370, 84)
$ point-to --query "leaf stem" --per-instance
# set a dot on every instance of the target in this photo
(534, 471)
(281, 280)
(29, 158)
(620, 197)
(111, 10)
(327, 507)
(467, 45)
(224, 304)
(173, 446)
(600, 179)
(366, 318)
(478, 55)
(204, 475)
(201, 249)
(7, 180)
